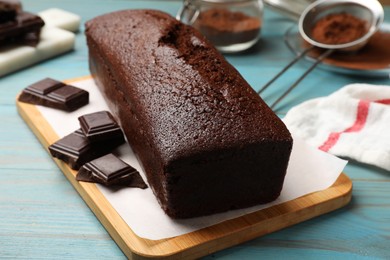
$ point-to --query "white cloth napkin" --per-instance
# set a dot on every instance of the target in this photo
(353, 122)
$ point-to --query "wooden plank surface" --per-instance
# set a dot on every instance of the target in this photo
(198, 243)
(42, 216)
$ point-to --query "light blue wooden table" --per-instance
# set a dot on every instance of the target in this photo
(42, 216)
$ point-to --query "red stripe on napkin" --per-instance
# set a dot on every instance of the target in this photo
(361, 118)
(383, 101)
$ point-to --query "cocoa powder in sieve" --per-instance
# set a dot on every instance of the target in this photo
(338, 28)
(342, 28)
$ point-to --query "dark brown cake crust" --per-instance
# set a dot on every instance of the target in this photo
(206, 140)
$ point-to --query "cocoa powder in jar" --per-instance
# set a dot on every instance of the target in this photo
(224, 27)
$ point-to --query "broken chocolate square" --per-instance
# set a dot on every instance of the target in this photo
(16, 30)
(99, 126)
(9, 10)
(75, 149)
(110, 170)
(55, 94)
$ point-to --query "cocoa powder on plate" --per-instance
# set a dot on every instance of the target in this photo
(374, 56)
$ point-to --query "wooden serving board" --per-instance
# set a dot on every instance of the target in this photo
(202, 242)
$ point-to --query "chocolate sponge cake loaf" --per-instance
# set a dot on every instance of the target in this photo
(207, 142)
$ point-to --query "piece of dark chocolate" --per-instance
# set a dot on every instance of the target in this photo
(110, 170)
(99, 126)
(55, 94)
(31, 39)
(16, 30)
(75, 149)
(11, 4)
(7, 15)
(9, 10)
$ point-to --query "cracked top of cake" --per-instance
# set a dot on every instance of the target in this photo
(193, 99)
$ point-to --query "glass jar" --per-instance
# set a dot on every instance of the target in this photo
(231, 25)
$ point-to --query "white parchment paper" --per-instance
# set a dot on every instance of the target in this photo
(309, 170)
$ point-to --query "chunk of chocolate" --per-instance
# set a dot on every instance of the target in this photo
(55, 94)
(7, 15)
(9, 9)
(110, 170)
(75, 149)
(99, 126)
(11, 5)
(31, 39)
(15, 31)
